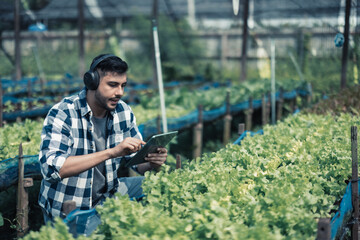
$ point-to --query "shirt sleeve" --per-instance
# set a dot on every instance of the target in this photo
(134, 131)
(56, 142)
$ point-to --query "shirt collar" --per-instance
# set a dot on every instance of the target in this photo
(84, 106)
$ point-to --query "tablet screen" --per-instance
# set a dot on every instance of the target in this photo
(156, 141)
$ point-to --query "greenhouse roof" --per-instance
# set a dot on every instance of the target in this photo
(262, 9)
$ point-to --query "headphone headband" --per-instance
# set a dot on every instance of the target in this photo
(94, 65)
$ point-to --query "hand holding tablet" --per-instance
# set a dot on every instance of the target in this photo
(156, 141)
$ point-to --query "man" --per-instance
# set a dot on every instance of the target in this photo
(85, 137)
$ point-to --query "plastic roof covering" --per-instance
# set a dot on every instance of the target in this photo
(7, 9)
(263, 9)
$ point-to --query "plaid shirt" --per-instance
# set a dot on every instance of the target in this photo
(68, 131)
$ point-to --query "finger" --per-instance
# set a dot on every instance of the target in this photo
(158, 160)
(162, 150)
(136, 143)
(157, 155)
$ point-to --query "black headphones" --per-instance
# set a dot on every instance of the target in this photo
(91, 77)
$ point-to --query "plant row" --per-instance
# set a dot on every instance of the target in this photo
(179, 102)
(272, 186)
(19, 100)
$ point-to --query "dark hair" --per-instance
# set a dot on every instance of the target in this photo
(111, 64)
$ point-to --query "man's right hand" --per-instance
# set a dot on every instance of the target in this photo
(126, 147)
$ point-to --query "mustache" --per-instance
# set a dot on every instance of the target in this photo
(115, 99)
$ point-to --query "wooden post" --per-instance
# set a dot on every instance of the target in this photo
(17, 29)
(268, 108)
(1, 104)
(354, 183)
(280, 105)
(324, 229)
(227, 120)
(81, 23)
(309, 97)
(29, 93)
(178, 161)
(345, 52)
(241, 128)
(131, 97)
(293, 104)
(249, 113)
(29, 88)
(197, 137)
(22, 207)
(67, 82)
(244, 41)
(263, 110)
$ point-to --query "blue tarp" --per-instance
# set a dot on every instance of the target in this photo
(337, 222)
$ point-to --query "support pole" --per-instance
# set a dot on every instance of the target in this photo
(159, 75)
(244, 41)
(22, 206)
(17, 40)
(293, 104)
(81, 37)
(354, 183)
(268, 107)
(178, 161)
(344, 59)
(309, 96)
(241, 128)
(249, 113)
(263, 110)
(154, 17)
(227, 120)
(198, 133)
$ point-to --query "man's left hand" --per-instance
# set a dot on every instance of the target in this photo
(158, 158)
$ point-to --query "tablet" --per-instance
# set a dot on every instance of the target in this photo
(156, 141)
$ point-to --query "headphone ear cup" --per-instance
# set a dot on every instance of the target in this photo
(91, 80)
(96, 79)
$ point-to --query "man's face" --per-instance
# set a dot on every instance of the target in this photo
(111, 89)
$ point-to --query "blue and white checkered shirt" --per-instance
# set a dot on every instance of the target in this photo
(68, 131)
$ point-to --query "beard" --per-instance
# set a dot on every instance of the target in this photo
(103, 102)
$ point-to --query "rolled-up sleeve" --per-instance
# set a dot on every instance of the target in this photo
(55, 145)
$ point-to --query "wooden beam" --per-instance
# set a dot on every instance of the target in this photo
(81, 37)
(17, 40)
(346, 45)
(244, 41)
(227, 120)
(197, 134)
